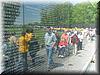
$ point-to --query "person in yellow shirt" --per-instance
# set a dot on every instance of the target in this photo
(23, 49)
(23, 43)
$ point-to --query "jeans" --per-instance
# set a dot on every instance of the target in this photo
(49, 50)
(61, 51)
(33, 55)
(23, 60)
(79, 46)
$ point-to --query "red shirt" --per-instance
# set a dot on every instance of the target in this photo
(65, 36)
(72, 39)
(61, 43)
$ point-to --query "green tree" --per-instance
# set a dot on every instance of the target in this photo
(57, 14)
(69, 15)
(84, 13)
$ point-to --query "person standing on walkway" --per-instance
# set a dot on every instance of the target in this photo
(81, 41)
(79, 37)
(58, 39)
(28, 37)
(74, 41)
(23, 50)
(50, 41)
(70, 48)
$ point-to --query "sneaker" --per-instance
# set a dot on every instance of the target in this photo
(92, 61)
(49, 68)
(59, 55)
(62, 56)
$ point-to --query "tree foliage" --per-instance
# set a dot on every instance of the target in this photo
(69, 15)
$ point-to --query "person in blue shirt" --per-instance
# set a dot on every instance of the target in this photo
(50, 41)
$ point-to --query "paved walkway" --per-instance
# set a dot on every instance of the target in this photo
(71, 63)
(93, 66)
(79, 62)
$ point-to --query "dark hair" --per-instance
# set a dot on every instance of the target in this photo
(28, 30)
(48, 27)
(23, 33)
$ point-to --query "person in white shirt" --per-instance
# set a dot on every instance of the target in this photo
(81, 40)
(78, 46)
(50, 42)
(80, 36)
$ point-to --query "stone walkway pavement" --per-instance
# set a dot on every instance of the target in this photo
(71, 63)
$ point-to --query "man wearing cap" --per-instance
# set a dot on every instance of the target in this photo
(50, 41)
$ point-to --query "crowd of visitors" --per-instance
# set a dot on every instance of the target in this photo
(54, 43)
(69, 39)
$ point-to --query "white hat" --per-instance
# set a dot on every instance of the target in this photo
(75, 32)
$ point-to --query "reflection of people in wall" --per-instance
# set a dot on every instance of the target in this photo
(13, 40)
(9, 52)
